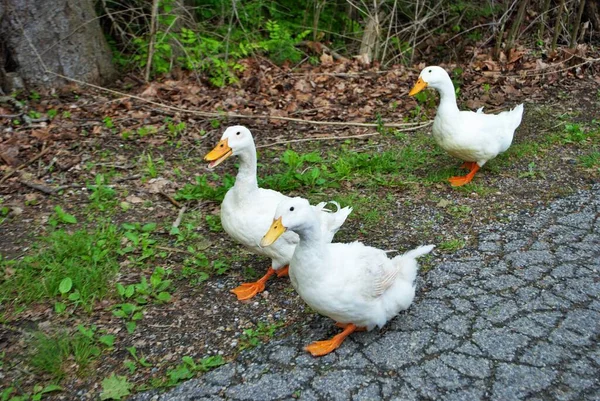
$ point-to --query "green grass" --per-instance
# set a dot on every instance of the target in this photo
(312, 173)
(591, 160)
(452, 245)
(89, 260)
(52, 352)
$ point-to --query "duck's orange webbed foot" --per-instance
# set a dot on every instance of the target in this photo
(320, 348)
(459, 181)
(248, 290)
(284, 271)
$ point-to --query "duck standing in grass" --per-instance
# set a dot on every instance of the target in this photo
(472, 137)
(247, 210)
(356, 285)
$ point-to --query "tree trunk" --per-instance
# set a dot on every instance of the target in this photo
(39, 38)
(592, 13)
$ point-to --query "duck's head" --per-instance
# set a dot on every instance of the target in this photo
(431, 76)
(235, 139)
(290, 214)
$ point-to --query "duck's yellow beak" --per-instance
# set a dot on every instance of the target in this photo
(276, 230)
(221, 152)
(419, 86)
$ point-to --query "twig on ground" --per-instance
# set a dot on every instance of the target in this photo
(331, 138)
(166, 248)
(10, 173)
(39, 187)
(231, 115)
(172, 200)
(128, 178)
(177, 221)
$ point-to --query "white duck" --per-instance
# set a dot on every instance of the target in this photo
(247, 210)
(472, 137)
(354, 284)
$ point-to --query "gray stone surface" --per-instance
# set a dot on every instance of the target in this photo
(519, 318)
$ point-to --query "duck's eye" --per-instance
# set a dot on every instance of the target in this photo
(430, 71)
(292, 209)
(238, 133)
(221, 145)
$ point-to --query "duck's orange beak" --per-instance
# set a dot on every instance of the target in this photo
(419, 86)
(220, 152)
(276, 230)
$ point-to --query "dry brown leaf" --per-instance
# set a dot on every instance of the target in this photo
(326, 59)
(156, 185)
(150, 92)
(302, 86)
(134, 199)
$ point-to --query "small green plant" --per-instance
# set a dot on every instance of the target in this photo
(203, 189)
(591, 160)
(452, 245)
(35, 96)
(108, 122)
(130, 312)
(52, 113)
(115, 387)
(189, 368)
(34, 114)
(61, 217)
(251, 338)
(214, 223)
(36, 395)
(532, 172)
(175, 129)
(195, 269)
(102, 196)
(151, 166)
(574, 133)
(139, 241)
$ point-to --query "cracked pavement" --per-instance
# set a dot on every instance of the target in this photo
(517, 318)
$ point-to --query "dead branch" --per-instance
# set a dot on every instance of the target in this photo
(332, 138)
(171, 199)
(39, 187)
(232, 115)
(128, 178)
(22, 166)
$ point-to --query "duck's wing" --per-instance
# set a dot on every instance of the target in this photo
(377, 273)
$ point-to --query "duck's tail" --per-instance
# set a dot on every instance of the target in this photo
(332, 221)
(407, 262)
(516, 115)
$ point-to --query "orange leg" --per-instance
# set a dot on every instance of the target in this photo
(320, 348)
(284, 271)
(459, 181)
(248, 290)
(344, 325)
(468, 165)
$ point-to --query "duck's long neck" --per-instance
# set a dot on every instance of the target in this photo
(447, 97)
(311, 248)
(246, 177)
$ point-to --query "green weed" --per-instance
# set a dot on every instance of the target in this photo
(591, 160)
(452, 245)
(189, 368)
(251, 338)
